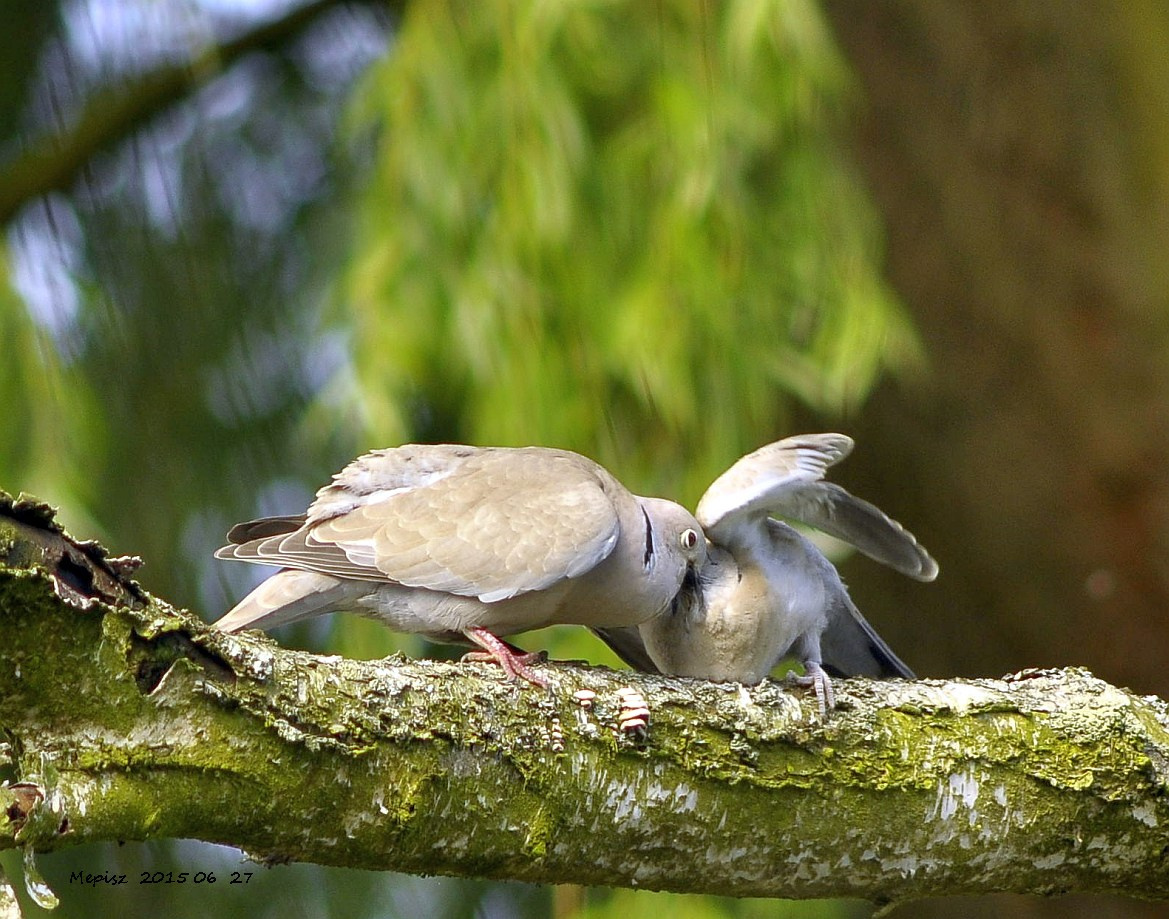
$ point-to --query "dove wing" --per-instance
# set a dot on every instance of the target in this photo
(483, 522)
(784, 479)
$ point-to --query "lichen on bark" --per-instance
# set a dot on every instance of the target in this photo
(126, 719)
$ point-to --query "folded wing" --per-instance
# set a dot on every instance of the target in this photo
(468, 521)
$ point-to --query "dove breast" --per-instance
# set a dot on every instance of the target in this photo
(746, 612)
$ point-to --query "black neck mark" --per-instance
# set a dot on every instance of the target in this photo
(647, 559)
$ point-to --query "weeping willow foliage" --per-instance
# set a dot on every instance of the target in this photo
(619, 227)
(41, 400)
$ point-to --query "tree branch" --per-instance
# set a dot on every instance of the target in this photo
(54, 162)
(125, 719)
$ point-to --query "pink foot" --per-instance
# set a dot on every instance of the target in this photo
(815, 678)
(513, 661)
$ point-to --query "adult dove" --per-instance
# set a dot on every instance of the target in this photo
(766, 591)
(470, 543)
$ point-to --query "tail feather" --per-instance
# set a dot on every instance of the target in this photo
(628, 645)
(851, 647)
(264, 527)
(288, 596)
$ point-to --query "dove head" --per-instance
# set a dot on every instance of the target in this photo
(680, 545)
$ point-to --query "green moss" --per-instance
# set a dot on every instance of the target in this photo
(145, 723)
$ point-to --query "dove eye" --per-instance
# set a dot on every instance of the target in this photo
(688, 539)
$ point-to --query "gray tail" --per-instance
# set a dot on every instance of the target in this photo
(851, 647)
(627, 645)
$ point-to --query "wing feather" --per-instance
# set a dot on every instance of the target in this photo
(785, 479)
(485, 522)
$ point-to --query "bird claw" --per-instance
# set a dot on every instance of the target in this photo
(816, 679)
(515, 663)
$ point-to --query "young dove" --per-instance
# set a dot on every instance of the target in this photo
(470, 543)
(766, 591)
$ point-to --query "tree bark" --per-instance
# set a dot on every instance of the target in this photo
(126, 719)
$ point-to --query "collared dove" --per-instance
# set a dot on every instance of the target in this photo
(458, 542)
(766, 591)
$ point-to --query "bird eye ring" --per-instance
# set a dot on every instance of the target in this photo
(689, 538)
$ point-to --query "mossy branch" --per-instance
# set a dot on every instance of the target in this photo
(125, 719)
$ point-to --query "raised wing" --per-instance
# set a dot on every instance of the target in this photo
(765, 480)
(784, 479)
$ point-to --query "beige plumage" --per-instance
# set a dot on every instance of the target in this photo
(765, 590)
(458, 542)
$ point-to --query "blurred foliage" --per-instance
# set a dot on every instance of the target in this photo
(618, 227)
(42, 400)
(27, 23)
(621, 228)
(622, 903)
(171, 337)
(277, 892)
